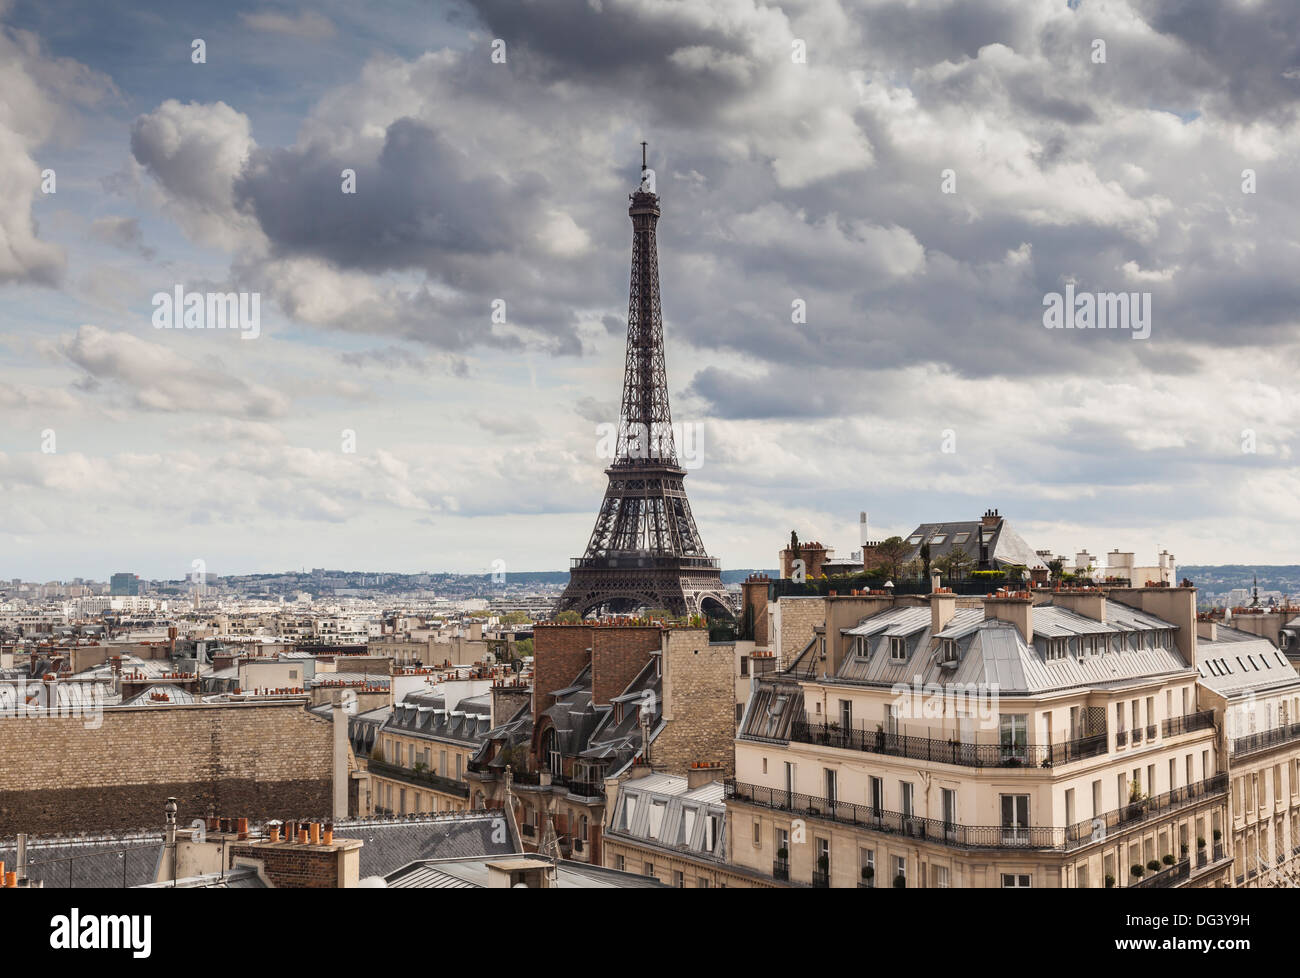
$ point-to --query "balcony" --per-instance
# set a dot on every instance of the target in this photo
(1121, 738)
(1189, 723)
(586, 789)
(781, 869)
(947, 751)
(1257, 742)
(448, 786)
(1137, 812)
(821, 880)
(1172, 876)
(1061, 838)
(897, 823)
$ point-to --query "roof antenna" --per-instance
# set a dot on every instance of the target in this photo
(643, 155)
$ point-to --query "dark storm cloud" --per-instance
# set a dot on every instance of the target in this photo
(420, 200)
(1254, 51)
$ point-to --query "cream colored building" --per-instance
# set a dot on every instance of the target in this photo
(1257, 691)
(1044, 740)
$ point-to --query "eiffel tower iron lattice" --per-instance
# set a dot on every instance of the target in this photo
(645, 550)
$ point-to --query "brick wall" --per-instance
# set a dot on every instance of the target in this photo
(253, 760)
(559, 654)
(699, 703)
(617, 655)
(294, 865)
(754, 600)
(798, 617)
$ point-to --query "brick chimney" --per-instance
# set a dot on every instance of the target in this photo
(1016, 607)
(320, 862)
(1090, 603)
(943, 605)
(703, 772)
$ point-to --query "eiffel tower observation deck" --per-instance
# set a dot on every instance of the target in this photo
(645, 550)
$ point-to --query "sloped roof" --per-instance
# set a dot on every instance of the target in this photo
(393, 843)
(1235, 666)
(101, 862)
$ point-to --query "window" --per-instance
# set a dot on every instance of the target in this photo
(900, 871)
(758, 832)
(744, 665)
(867, 858)
(949, 798)
(649, 869)
(1015, 818)
(1056, 648)
(941, 877)
(877, 795)
(702, 883)
(897, 648)
(914, 540)
(830, 785)
(620, 864)
(905, 798)
(938, 538)
(582, 827)
(846, 714)
(949, 650)
(679, 879)
(1013, 736)
(960, 537)
(1015, 881)
(657, 809)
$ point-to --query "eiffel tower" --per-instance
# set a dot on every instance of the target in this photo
(645, 550)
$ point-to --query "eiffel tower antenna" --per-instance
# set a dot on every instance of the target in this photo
(645, 550)
(643, 155)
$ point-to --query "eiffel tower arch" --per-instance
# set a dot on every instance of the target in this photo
(645, 550)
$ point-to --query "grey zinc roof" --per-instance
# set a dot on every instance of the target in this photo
(92, 863)
(1237, 666)
(992, 651)
(461, 874)
(393, 843)
(683, 816)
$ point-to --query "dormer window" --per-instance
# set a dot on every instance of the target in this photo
(949, 649)
(897, 648)
(1056, 648)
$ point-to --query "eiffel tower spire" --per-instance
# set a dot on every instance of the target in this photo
(645, 550)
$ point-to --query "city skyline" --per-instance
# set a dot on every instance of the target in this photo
(846, 333)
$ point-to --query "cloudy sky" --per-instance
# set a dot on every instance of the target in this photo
(800, 150)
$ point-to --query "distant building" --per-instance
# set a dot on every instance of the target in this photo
(124, 584)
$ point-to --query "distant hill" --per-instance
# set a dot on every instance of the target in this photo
(561, 577)
(1225, 577)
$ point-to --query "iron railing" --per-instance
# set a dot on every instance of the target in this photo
(1172, 876)
(947, 751)
(427, 778)
(1189, 723)
(586, 789)
(1256, 742)
(781, 869)
(1067, 838)
(1098, 828)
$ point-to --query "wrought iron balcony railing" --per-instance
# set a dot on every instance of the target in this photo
(1066, 838)
(1256, 742)
(1189, 723)
(428, 779)
(947, 751)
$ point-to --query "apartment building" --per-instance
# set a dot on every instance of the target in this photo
(1027, 739)
(1256, 689)
(422, 751)
(610, 702)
